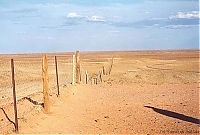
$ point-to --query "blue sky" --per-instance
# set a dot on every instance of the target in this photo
(97, 25)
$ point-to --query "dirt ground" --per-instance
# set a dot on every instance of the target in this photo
(147, 92)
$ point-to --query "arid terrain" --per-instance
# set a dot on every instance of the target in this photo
(147, 92)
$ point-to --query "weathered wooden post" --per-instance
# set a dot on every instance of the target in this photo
(103, 70)
(45, 84)
(96, 81)
(74, 70)
(57, 79)
(86, 77)
(111, 65)
(100, 76)
(78, 70)
(14, 95)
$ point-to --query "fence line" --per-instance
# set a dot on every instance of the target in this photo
(48, 77)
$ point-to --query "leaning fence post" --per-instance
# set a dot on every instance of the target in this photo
(57, 79)
(45, 84)
(14, 95)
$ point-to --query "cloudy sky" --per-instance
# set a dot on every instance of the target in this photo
(68, 25)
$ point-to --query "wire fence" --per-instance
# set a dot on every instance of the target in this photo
(28, 74)
(5, 81)
(23, 76)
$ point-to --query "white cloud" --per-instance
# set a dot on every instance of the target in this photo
(93, 18)
(50, 38)
(158, 19)
(96, 19)
(178, 26)
(147, 12)
(73, 15)
(113, 31)
(186, 15)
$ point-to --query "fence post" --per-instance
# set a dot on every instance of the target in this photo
(93, 80)
(111, 65)
(45, 84)
(86, 77)
(74, 70)
(96, 81)
(57, 79)
(78, 71)
(100, 76)
(103, 70)
(14, 95)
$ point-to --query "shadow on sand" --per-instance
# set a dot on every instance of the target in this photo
(34, 102)
(8, 117)
(175, 115)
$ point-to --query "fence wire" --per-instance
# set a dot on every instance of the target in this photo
(5, 81)
(28, 76)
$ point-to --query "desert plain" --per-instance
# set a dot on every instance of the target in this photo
(147, 92)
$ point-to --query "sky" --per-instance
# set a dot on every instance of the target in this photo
(29, 26)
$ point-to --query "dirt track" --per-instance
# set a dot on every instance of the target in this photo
(146, 94)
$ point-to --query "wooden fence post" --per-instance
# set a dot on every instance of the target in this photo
(96, 81)
(100, 76)
(103, 70)
(14, 95)
(74, 70)
(57, 79)
(78, 71)
(45, 84)
(111, 65)
(86, 77)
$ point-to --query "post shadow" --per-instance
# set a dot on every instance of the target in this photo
(8, 117)
(34, 102)
(175, 115)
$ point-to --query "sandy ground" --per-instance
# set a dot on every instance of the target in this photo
(146, 93)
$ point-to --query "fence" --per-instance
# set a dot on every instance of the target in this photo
(43, 74)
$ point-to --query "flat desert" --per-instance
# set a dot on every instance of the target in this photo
(146, 92)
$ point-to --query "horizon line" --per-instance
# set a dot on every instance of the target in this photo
(106, 51)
